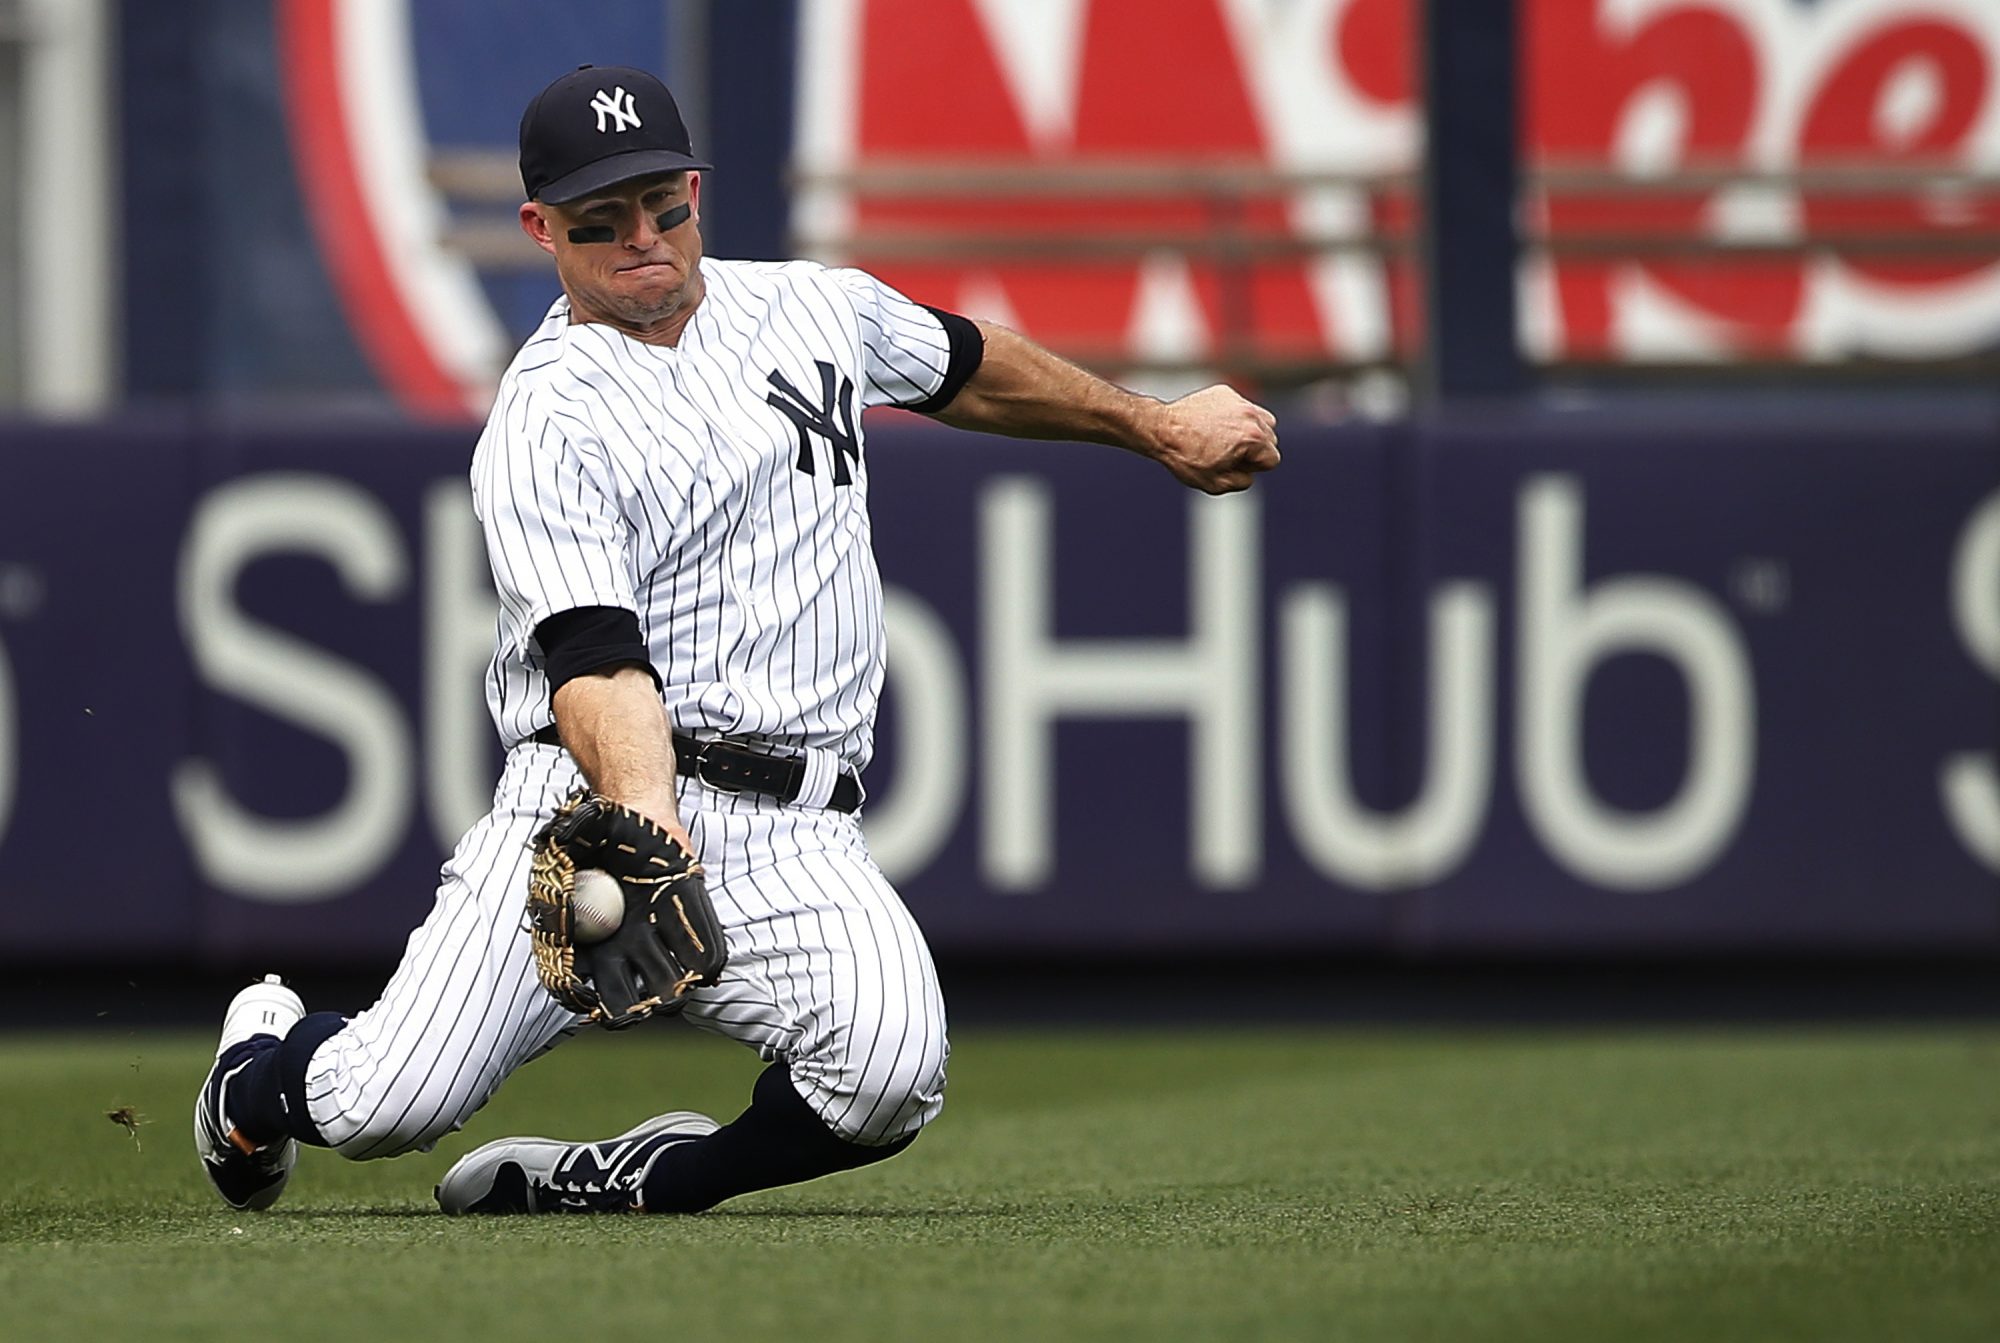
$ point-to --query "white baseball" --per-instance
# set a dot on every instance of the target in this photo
(596, 906)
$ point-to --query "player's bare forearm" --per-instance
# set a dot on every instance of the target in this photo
(613, 726)
(1025, 391)
(1212, 440)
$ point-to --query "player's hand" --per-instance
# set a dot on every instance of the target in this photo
(1215, 441)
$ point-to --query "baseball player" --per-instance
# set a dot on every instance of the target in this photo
(673, 491)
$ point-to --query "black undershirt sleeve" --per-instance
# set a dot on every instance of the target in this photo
(968, 347)
(589, 639)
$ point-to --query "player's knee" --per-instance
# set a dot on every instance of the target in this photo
(884, 1104)
(363, 1108)
(387, 1132)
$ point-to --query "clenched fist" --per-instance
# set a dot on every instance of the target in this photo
(1215, 441)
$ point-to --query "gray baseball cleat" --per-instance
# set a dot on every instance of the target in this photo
(247, 1176)
(515, 1175)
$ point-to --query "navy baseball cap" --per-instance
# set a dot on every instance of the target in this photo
(597, 126)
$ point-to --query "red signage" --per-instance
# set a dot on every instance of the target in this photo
(1314, 88)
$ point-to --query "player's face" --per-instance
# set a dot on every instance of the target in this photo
(642, 276)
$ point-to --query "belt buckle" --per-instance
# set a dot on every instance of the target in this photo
(701, 767)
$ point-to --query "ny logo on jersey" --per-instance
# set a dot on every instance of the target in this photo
(617, 105)
(818, 419)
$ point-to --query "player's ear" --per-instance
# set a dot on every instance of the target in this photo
(694, 194)
(535, 223)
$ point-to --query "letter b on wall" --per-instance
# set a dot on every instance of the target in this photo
(1566, 631)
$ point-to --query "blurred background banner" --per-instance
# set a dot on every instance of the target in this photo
(1544, 685)
(1159, 187)
(1632, 583)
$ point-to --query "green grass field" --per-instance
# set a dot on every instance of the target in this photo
(1300, 1184)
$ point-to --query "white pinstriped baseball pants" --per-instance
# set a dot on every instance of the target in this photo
(827, 970)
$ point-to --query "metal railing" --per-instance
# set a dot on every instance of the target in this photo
(1234, 215)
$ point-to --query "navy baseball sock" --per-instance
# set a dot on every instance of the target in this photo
(778, 1140)
(267, 1100)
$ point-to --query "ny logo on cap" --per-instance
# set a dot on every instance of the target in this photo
(617, 105)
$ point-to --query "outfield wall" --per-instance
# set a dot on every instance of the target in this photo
(1632, 682)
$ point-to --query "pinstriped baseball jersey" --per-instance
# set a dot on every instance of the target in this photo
(717, 488)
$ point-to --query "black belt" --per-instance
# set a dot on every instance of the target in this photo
(731, 769)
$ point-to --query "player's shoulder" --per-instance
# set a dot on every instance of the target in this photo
(759, 289)
(559, 363)
(542, 354)
(760, 283)
(546, 384)
(764, 274)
